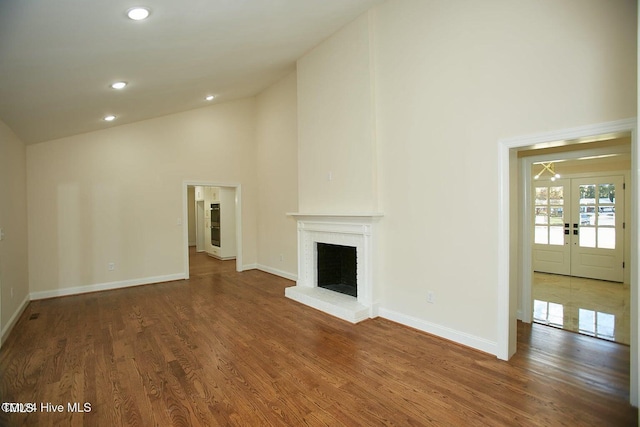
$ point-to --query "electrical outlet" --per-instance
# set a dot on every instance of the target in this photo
(430, 298)
(1, 234)
(11, 293)
(111, 266)
(281, 257)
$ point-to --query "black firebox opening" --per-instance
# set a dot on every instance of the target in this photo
(337, 268)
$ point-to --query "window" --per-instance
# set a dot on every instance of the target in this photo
(549, 215)
(597, 216)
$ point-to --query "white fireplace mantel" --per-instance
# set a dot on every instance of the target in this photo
(356, 230)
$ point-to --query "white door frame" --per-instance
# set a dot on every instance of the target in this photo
(199, 225)
(185, 228)
(508, 285)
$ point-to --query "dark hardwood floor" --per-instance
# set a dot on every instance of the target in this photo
(227, 348)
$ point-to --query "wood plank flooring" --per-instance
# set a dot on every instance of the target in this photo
(227, 348)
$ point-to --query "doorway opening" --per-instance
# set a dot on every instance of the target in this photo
(578, 212)
(214, 221)
(515, 236)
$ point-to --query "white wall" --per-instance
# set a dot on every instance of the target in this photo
(276, 134)
(13, 222)
(451, 79)
(116, 195)
(335, 124)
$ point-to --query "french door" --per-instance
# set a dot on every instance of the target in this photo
(552, 216)
(578, 227)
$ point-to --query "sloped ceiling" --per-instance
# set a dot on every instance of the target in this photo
(58, 58)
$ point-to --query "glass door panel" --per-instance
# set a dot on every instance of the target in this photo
(551, 219)
(549, 215)
(597, 247)
(597, 216)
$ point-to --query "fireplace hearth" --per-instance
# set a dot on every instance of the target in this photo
(346, 290)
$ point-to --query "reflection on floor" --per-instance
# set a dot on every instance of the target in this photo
(591, 307)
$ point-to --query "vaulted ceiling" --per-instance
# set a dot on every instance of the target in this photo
(58, 58)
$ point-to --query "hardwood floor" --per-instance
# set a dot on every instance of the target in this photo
(227, 348)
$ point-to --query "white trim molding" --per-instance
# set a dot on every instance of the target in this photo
(248, 267)
(440, 331)
(277, 272)
(14, 319)
(77, 290)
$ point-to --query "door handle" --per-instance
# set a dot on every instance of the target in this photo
(575, 232)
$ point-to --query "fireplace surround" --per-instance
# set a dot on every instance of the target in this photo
(356, 231)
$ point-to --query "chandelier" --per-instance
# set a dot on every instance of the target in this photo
(548, 168)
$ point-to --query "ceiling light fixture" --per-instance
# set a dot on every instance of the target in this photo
(138, 13)
(209, 97)
(548, 167)
(109, 118)
(118, 85)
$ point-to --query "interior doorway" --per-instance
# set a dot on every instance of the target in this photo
(598, 163)
(578, 249)
(221, 235)
(514, 243)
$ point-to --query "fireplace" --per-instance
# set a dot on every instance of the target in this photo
(323, 238)
(336, 266)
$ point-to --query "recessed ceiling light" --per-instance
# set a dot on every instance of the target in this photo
(109, 118)
(118, 85)
(209, 97)
(138, 13)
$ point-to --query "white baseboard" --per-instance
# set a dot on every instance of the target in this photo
(105, 286)
(468, 340)
(221, 258)
(14, 318)
(246, 267)
(277, 272)
(374, 311)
